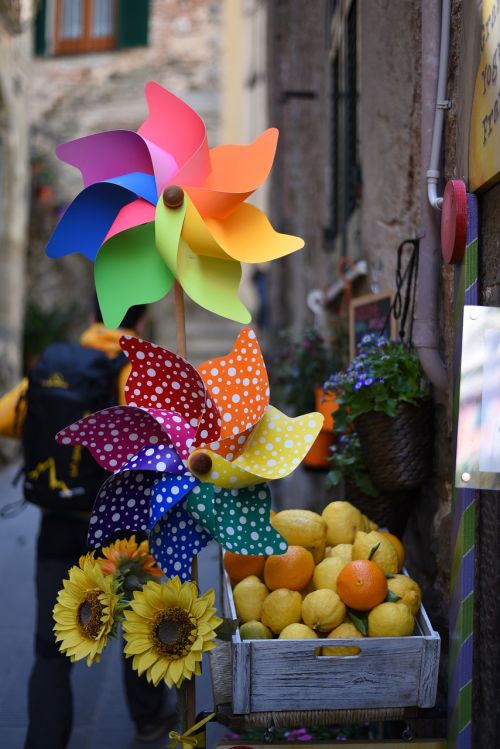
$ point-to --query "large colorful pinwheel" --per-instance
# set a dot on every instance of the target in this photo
(191, 453)
(159, 205)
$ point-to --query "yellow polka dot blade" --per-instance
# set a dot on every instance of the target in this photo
(223, 473)
(279, 443)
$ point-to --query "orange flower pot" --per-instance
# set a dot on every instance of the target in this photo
(319, 454)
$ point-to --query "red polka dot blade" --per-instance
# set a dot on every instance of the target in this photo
(161, 379)
(239, 386)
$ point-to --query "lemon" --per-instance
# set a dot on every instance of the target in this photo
(254, 630)
(367, 525)
(249, 595)
(302, 528)
(385, 556)
(326, 573)
(390, 620)
(343, 521)
(347, 629)
(322, 610)
(342, 551)
(281, 608)
(408, 590)
(298, 632)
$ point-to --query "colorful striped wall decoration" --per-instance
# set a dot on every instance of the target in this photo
(463, 526)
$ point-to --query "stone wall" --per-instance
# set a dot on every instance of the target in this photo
(15, 53)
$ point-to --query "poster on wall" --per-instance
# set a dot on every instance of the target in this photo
(484, 139)
(478, 434)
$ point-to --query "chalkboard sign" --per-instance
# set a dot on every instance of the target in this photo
(370, 314)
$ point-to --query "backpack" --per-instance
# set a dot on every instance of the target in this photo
(67, 383)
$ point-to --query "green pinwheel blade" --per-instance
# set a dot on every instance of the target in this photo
(128, 270)
(238, 519)
(211, 282)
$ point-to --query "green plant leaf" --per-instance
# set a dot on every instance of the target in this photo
(374, 550)
(389, 575)
(360, 620)
(392, 597)
(226, 629)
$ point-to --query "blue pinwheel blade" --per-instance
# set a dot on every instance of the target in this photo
(175, 540)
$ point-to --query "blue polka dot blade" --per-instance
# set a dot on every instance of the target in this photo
(175, 540)
(161, 458)
(167, 493)
(121, 505)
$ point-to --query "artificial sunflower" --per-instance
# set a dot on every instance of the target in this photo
(130, 562)
(168, 628)
(87, 611)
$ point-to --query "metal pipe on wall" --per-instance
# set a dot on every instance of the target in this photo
(426, 329)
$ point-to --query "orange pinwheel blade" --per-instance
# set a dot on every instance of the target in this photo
(237, 171)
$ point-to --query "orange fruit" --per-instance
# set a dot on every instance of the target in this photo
(293, 569)
(239, 566)
(362, 585)
(400, 549)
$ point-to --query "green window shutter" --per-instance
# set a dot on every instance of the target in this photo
(40, 41)
(133, 18)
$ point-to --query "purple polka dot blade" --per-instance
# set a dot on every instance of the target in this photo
(200, 505)
(161, 458)
(175, 540)
(242, 521)
(121, 505)
(114, 435)
(167, 493)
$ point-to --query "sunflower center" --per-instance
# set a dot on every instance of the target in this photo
(172, 632)
(90, 614)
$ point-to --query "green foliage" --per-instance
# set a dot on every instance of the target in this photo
(383, 373)
(42, 328)
(302, 366)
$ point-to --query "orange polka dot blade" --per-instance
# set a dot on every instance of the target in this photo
(292, 570)
(362, 585)
(239, 566)
(239, 386)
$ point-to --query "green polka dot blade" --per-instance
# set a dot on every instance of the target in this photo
(238, 519)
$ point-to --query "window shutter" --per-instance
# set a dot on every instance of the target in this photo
(40, 41)
(133, 18)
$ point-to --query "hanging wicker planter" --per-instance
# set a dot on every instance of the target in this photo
(389, 509)
(397, 449)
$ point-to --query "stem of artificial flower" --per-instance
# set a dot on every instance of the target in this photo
(180, 320)
(187, 700)
(182, 706)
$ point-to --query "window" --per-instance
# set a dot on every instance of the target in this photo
(345, 184)
(76, 26)
(84, 26)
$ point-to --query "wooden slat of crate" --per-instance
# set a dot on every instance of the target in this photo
(289, 675)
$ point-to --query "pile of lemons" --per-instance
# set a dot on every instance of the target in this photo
(340, 578)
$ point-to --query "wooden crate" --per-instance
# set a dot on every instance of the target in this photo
(271, 675)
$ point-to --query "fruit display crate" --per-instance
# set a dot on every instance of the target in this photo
(388, 672)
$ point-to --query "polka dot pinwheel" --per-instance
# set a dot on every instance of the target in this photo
(191, 453)
(159, 205)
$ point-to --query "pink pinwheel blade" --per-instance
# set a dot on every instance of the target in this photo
(133, 214)
(177, 129)
(114, 435)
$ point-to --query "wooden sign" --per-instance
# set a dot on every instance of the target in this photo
(370, 314)
(484, 139)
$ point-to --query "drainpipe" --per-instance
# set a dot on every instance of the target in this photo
(434, 66)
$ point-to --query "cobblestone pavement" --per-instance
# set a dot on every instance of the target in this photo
(101, 719)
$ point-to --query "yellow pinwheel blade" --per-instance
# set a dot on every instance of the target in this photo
(276, 447)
